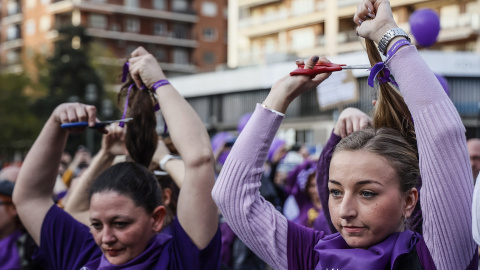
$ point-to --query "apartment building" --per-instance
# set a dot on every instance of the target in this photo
(267, 30)
(266, 36)
(186, 36)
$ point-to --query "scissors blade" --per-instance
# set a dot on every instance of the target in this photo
(116, 121)
(357, 67)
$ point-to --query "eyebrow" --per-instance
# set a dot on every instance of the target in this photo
(360, 183)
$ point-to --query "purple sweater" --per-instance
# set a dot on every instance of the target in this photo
(444, 165)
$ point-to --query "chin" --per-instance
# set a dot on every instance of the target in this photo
(358, 242)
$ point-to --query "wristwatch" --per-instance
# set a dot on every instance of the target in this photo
(165, 159)
(391, 34)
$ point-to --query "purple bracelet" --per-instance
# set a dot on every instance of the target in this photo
(158, 84)
(397, 45)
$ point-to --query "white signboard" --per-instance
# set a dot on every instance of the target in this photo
(339, 89)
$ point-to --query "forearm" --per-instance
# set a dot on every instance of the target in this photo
(254, 220)
(186, 129)
(444, 163)
(176, 170)
(78, 195)
(40, 168)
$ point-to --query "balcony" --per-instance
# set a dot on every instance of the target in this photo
(12, 44)
(463, 26)
(104, 8)
(172, 41)
(253, 3)
(12, 19)
(277, 22)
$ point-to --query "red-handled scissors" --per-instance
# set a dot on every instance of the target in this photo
(324, 68)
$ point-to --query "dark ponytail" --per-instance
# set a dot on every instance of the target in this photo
(141, 138)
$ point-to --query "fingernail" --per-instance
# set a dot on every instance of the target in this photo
(315, 58)
(360, 21)
(369, 10)
(371, 15)
(298, 60)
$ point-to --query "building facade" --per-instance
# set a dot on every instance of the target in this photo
(186, 36)
(269, 30)
(265, 36)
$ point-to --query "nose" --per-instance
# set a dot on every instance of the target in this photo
(348, 207)
(108, 236)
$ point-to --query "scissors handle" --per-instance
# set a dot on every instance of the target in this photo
(317, 69)
(82, 124)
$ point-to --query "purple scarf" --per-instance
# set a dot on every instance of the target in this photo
(334, 252)
(9, 257)
(148, 259)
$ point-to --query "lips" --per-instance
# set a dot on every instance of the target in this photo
(353, 229)
(113, 252)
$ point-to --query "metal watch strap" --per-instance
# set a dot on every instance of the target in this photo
(391, 34)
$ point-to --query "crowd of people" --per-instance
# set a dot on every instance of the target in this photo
(390, 191)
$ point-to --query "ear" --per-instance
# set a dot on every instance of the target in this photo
(158, 217)
(411, 199)
(167, 196)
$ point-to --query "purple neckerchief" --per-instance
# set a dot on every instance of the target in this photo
(334, 252)
(9, 256)
(375, 70)
(146, 260)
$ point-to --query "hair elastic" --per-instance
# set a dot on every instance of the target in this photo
(375, 70)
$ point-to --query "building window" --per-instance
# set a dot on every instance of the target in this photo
(30, 27)
(159, 4)
(131, 3)
(208, 58)
(30, 4)
(209, 34)
(209, 9)
(180, 31)
(160, 54)
(302, 39)
(130, 49)
(132, 25)
(115, 27)
(160, 29)
(97, 21)
(179, 5)
(12, 57)
(180, 56)
(45, 23)
(13, 32)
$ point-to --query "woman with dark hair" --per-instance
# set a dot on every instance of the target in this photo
(373, 173)
(126, 212)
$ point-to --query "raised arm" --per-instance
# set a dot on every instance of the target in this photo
(447, 189)
(260, 226)
(34, 188)
(196, 212)
(77, 203)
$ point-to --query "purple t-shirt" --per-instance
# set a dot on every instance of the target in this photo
(68, 244)
(9, 257)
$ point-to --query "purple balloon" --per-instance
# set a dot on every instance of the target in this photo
(425, 26)
(444, 83)
(243, 121)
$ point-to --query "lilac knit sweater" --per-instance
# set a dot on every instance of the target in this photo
(444, 165)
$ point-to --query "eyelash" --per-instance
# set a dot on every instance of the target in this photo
(335, 193)
(96, 226)
(120, 225)
(370, 195)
